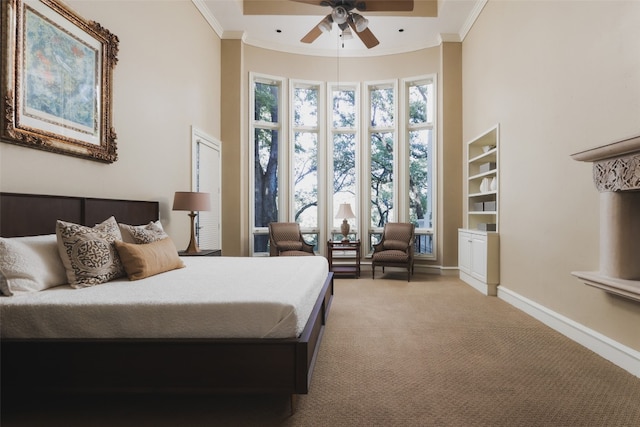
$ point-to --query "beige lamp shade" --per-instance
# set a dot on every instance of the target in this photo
(345, 212)
(192, 201)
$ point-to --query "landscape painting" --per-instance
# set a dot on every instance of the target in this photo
(57, 82)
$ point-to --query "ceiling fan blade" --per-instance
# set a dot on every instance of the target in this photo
(384, 5)
(312, 35)
(313, 2)
(365, 35)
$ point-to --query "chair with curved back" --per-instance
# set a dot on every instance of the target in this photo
(286, 239)
(395, 248)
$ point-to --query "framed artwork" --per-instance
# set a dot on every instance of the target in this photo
(57, 72)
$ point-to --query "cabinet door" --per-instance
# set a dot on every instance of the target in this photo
(464, 251)
(479, 257)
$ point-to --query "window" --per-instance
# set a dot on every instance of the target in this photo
(420, 127)
(344, 153)
(303, 172)
(306, 138)
(266, 129)
(382, 148)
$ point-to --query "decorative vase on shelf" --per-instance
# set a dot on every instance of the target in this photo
(484, 185)
(494, 184)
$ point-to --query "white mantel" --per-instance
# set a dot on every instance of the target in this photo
(616, 173)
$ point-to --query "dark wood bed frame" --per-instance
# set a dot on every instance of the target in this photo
(145, 365)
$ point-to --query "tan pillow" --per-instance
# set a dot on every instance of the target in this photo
(397, 245)
(147, 259)
(88, 253)
(289, 245)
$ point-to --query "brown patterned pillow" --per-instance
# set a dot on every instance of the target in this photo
(142, 233)
(88, 253)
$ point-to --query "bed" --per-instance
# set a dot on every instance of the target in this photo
(167, 357)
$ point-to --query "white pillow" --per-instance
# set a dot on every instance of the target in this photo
(31, 263)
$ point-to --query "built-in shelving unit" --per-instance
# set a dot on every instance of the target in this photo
(482, 182)
(478, 242)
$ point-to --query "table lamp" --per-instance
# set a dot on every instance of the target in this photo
(345, 212)
(192, 201)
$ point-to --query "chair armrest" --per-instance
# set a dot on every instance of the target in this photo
(306, 246)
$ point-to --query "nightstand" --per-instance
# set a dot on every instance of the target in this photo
(352, 265)
(203, 252)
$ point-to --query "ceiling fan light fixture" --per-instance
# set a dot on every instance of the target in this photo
(325, 25)
(360, 22)
(339, 15)
(347, 34)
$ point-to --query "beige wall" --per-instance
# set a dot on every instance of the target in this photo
(559, 77)
(166, 80)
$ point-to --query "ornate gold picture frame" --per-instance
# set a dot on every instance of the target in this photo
(57, 71)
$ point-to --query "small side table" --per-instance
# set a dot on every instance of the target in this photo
(346, 269)
(203, 252)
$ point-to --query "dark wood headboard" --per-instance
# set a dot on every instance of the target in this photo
(34, 214)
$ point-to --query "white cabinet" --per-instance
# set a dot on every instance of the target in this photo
(478, 255)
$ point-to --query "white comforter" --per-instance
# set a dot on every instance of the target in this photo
(213, 297)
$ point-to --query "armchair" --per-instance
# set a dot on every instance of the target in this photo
(286, 240)
(395, 249)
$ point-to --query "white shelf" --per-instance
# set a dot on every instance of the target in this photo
(487, 193)
(488, 156)
(478, 157)
(492, 172)
(482, 212)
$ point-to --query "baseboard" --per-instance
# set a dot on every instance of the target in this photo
(618, 354)
(478, 285)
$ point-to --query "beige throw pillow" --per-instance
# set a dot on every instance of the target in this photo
(88, 253)
(148, 259)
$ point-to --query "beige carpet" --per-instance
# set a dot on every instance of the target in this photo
(433, 352)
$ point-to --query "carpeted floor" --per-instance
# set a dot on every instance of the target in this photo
(432, 352)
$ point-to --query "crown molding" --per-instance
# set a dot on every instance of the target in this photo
(473, 16)
(206, 13)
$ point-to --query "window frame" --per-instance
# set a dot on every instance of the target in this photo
(408, 127)
(369, 130)
(401, 129)
(331, 131)
(320, 130)
(283, 171)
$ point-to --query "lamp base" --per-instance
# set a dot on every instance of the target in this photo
(193, 242)
(344, 229)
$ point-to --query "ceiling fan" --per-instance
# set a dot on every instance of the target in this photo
(347, 20)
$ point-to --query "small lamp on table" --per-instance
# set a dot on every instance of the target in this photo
(192, 201)
(345, 212)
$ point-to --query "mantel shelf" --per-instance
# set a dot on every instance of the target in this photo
(625, 288)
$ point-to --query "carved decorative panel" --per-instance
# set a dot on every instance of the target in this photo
(621, 174)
